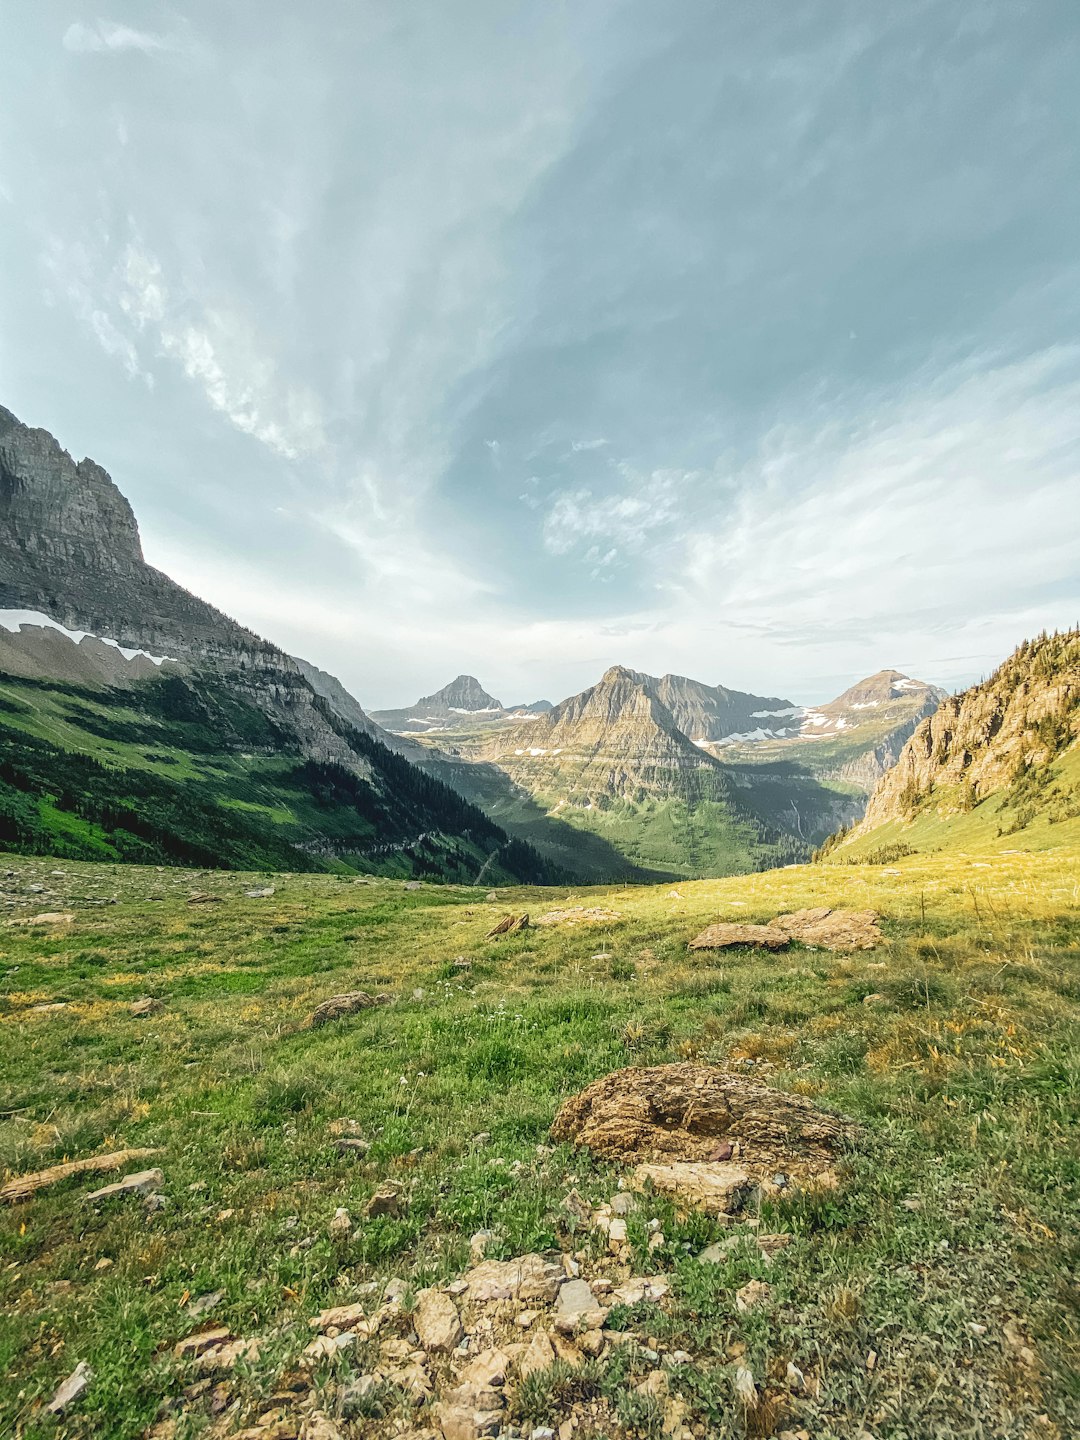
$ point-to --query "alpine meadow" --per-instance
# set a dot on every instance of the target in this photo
(667, 1026)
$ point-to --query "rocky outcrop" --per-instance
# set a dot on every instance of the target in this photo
(979, 742)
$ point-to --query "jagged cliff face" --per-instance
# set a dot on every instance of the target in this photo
(615, 740)
(70, 548)
(977, 743)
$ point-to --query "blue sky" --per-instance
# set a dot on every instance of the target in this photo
(733, 340)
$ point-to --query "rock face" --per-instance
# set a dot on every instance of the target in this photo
(1023, 717)
(693, 1113)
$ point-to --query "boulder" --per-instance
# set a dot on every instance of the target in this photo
(832, 929)
(690, 1114)
(732, 935)
(529, 1277)
(141, 1183)
(718, 1188)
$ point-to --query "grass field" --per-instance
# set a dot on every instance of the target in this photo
(934, 1296)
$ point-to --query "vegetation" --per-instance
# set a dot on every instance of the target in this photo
(183, 772)
(933, 1295)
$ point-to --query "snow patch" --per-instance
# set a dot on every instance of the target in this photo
(765, 714)
(907, 684)
(14, 620)
(865, 704)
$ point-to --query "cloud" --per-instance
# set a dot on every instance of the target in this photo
(104, 37)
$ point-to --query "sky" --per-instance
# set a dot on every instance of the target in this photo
(737, 341)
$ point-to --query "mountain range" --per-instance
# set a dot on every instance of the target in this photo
(108, 662)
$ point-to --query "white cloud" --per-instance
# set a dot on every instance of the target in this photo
(103, 37)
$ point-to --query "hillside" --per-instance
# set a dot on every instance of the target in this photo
(613, 761)
(997, 764)
(366, 1165)
(137, 715)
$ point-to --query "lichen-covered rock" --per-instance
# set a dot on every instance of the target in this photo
(690, 1113)
(832, 929)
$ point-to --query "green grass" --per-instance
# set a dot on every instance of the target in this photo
(958, 1208)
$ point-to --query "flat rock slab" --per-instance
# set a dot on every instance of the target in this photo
(339, 1006)
(576, 1298)
(702, 1114)
(731, 935)
(718, 1188)
(141, 1183)
(529, 1277)
(832, 929)
(580, 915)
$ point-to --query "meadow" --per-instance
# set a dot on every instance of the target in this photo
(934, 1294)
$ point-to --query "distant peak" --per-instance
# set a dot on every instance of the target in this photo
(463, 693)
(618, 674)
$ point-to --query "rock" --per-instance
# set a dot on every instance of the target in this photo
(567, 1351)
(202, 1341)
(487, 1371)
(25, 1185)
(539, 1355)
(385, 1201)
(616, 1231)
(655, 1384)
(622, 1203)
(341, 1224)
(204, 1304)
(460, 1422)
(326, 1347)
(343, 1126)
(529, 1277)
(73, 1387)
(338, 1006)
(643, 1287)
(478, 1245)
(262, 892)
(348, 1146)
(832, 929)
(717, 1189)
(752, 1296)
(795, 1377)
(745, 1388)
(734, 934)
(437, 1322)
(147, 1005)
(414, 1380)
(319, 1426)
(509, 925)
(575, 1299)
(201, 897)
(682, 1113)
(141, 1183)
(579, 1209)
(225, 1357)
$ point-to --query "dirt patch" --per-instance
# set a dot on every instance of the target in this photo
(728, 936)
(580, 915)
(832, 929)
(689, 1117)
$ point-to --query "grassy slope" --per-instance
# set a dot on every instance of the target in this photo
(253, 807)
(956, 1211)
(998, 824)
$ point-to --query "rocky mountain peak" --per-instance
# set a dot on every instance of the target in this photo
(463, 693)
(886, 687)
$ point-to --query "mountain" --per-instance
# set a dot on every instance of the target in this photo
(463, 705)
(613, 761)
(1000, 761)
(137, 721)
(850, 741)
(712, 712)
